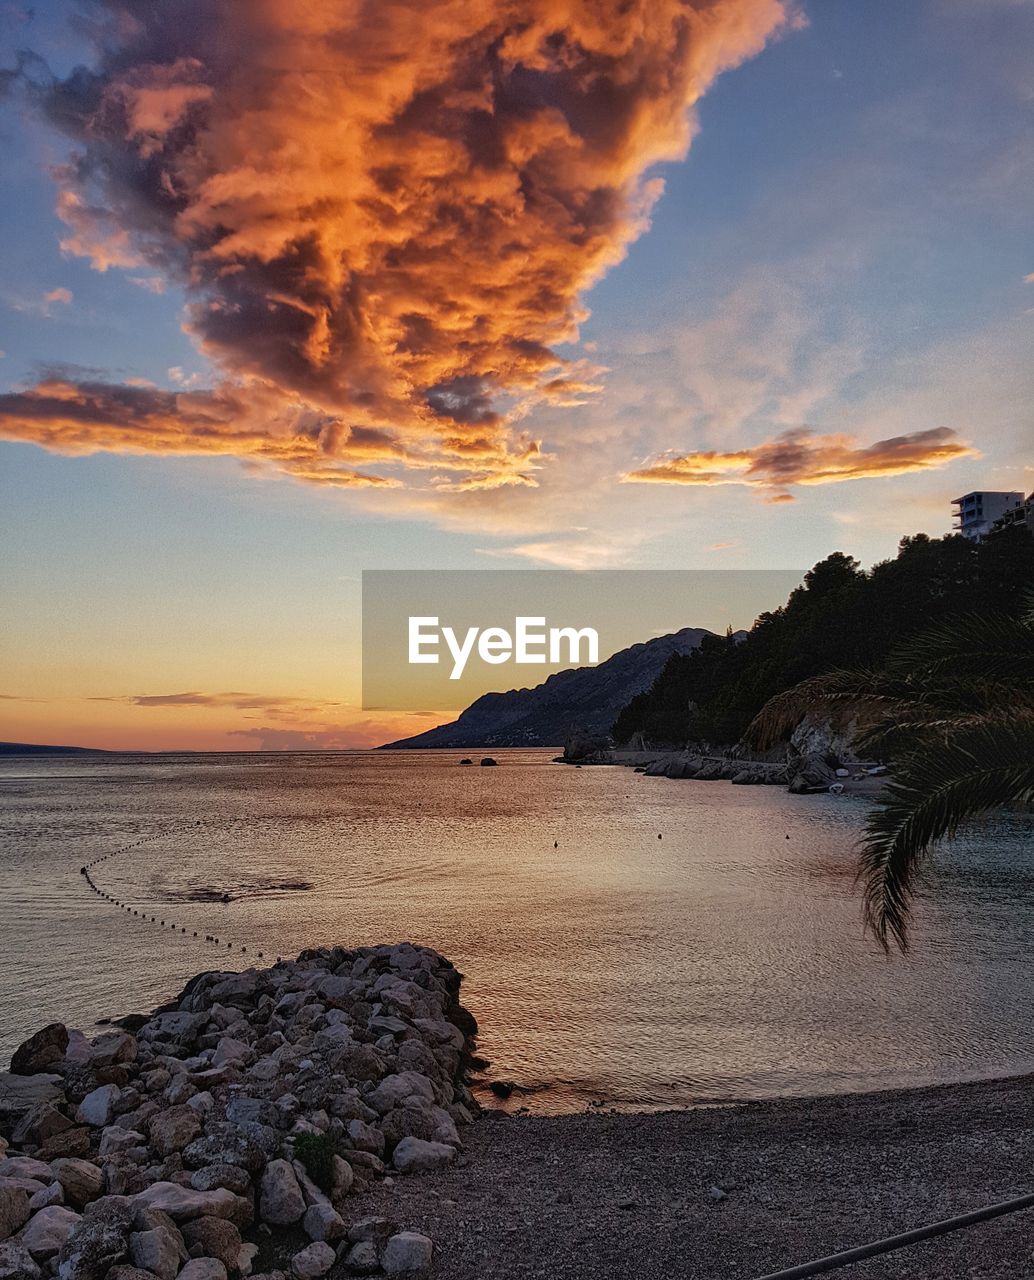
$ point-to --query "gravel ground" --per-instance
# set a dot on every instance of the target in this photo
(619, 1197)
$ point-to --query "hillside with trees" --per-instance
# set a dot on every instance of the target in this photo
(840, 617)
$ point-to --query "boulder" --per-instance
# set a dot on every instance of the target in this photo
(112, 1048)
(16, 1262)
(48, 1230)
(96, 1244)
(363, 1259)
(281, 1202)
(231, 1052)
(215, 1238)
(54, 1194)
(323, 1222)
(19, 1094)
(414, 1155)
(214, 1176)
(39, 1123)
(81, 1180)
(184, 1203)
(407, 1254)
(69, 1142)
(203, 1269)
(98, 1107)
(157, 1251)
(25, 1167)
(225, 1144)
(115, 1139)
(14, 1209)
(41, 1050)
(314, 1260)
(393, 1090)
(174, 1129)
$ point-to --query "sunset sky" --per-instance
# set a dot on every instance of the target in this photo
(290, 291)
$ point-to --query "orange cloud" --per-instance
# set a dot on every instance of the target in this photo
(253, 425)
(803, 458)
(387, 214)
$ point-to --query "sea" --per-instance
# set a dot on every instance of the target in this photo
(626, 942)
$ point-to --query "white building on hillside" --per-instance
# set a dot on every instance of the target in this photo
(978, 511)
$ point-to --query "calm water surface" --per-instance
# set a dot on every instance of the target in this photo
(723, 960)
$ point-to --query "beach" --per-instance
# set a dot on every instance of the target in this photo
(188, 1132)
(718, 1193)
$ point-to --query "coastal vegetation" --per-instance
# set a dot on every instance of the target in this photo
(840, 618)
(954, 709)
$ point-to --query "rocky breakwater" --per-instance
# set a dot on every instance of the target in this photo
(233, 1133)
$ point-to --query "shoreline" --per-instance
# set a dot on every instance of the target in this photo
(741, 1190)
(191, 1127)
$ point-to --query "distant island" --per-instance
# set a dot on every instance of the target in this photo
(41, 749)
(583, 699)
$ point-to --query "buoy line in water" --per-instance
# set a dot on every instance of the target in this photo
(143, 916)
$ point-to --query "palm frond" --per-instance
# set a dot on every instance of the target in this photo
(987, 763)
(989, 645)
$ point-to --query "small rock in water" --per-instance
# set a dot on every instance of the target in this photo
(717, 1194)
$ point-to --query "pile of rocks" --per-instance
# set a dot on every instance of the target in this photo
(236, 1127)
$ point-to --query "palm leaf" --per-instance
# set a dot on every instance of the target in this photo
(981, 644)
(987, 763)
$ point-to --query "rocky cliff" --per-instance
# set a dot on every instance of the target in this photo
(584, 698)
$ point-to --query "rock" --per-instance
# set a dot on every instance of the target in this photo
(47, 1232)
(203, 1269)
(125, 1272)
(214, 1176)
(216, 1238)
(174, 1129)
(393, 1090)
(41, 1050)
(231, 1052)
(366, 1137)
(115, 1139)
(16, 1262)
(14, 1209)
(323, 1222)
(246, 1258)
(19, 1094)
(81, 1180)
(39, 1123)
(314, 1260)
(225, 1144)
(407, 1254)
(74, 1143)
(363, 1259)
(97, 1243)
(98, 1107)
(488, 762)
(281, 1202)
(112, 1048)
(184, 1203)
(157, 1251)
(25, 1167)
(54, 1194)
(414, 1155)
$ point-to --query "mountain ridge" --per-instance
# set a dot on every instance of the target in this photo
(544, 715)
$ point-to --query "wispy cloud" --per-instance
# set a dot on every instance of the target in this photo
(803, 458)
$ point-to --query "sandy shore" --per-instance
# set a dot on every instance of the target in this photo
(620, 1197)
